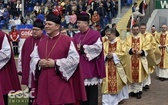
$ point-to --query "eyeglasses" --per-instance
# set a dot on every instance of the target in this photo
(35, 29)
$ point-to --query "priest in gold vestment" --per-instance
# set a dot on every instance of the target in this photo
(114, 88)
(104, 38)
(162, 71)
(137, 65)
(155, 33)
(153, 56)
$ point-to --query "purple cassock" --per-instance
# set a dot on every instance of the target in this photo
(8, 73)
(1, 97)
(92, 60)
(27, 49)
(64, 83)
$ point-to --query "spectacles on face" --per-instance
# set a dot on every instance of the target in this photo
(36, 29)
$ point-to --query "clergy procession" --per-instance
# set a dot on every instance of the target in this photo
(61, 70)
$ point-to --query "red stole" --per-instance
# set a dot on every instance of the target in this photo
(112, 73)
(162, 42)
(135, 61)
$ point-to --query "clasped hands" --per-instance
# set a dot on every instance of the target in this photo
(137, 52)
(109, 55)
(80, 48)
(44, 63)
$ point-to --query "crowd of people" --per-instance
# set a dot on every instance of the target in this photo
(138, 12)
(62, 67)
(101, 11)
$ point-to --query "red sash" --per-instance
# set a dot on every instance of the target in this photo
(112, 74)
(135, 61)
(162, 42)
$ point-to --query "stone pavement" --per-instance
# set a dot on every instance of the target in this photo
(156, 95)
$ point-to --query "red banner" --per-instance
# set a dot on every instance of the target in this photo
(24, 33)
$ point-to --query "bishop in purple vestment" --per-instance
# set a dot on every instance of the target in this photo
(8, 73)
(90, 49)
(55, 65)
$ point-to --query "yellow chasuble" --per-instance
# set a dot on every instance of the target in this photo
(115, 75)
(136, 66)
(154, 54)
(157, 51)
(163, 40)
(156, 35)
(104, 38)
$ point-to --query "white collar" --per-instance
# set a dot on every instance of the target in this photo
(113, 41)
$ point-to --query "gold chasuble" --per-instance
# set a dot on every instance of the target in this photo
(154, 54)
(136, 66)
(115, 75)
(163, 40)
(156, 36)
(104, 39)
